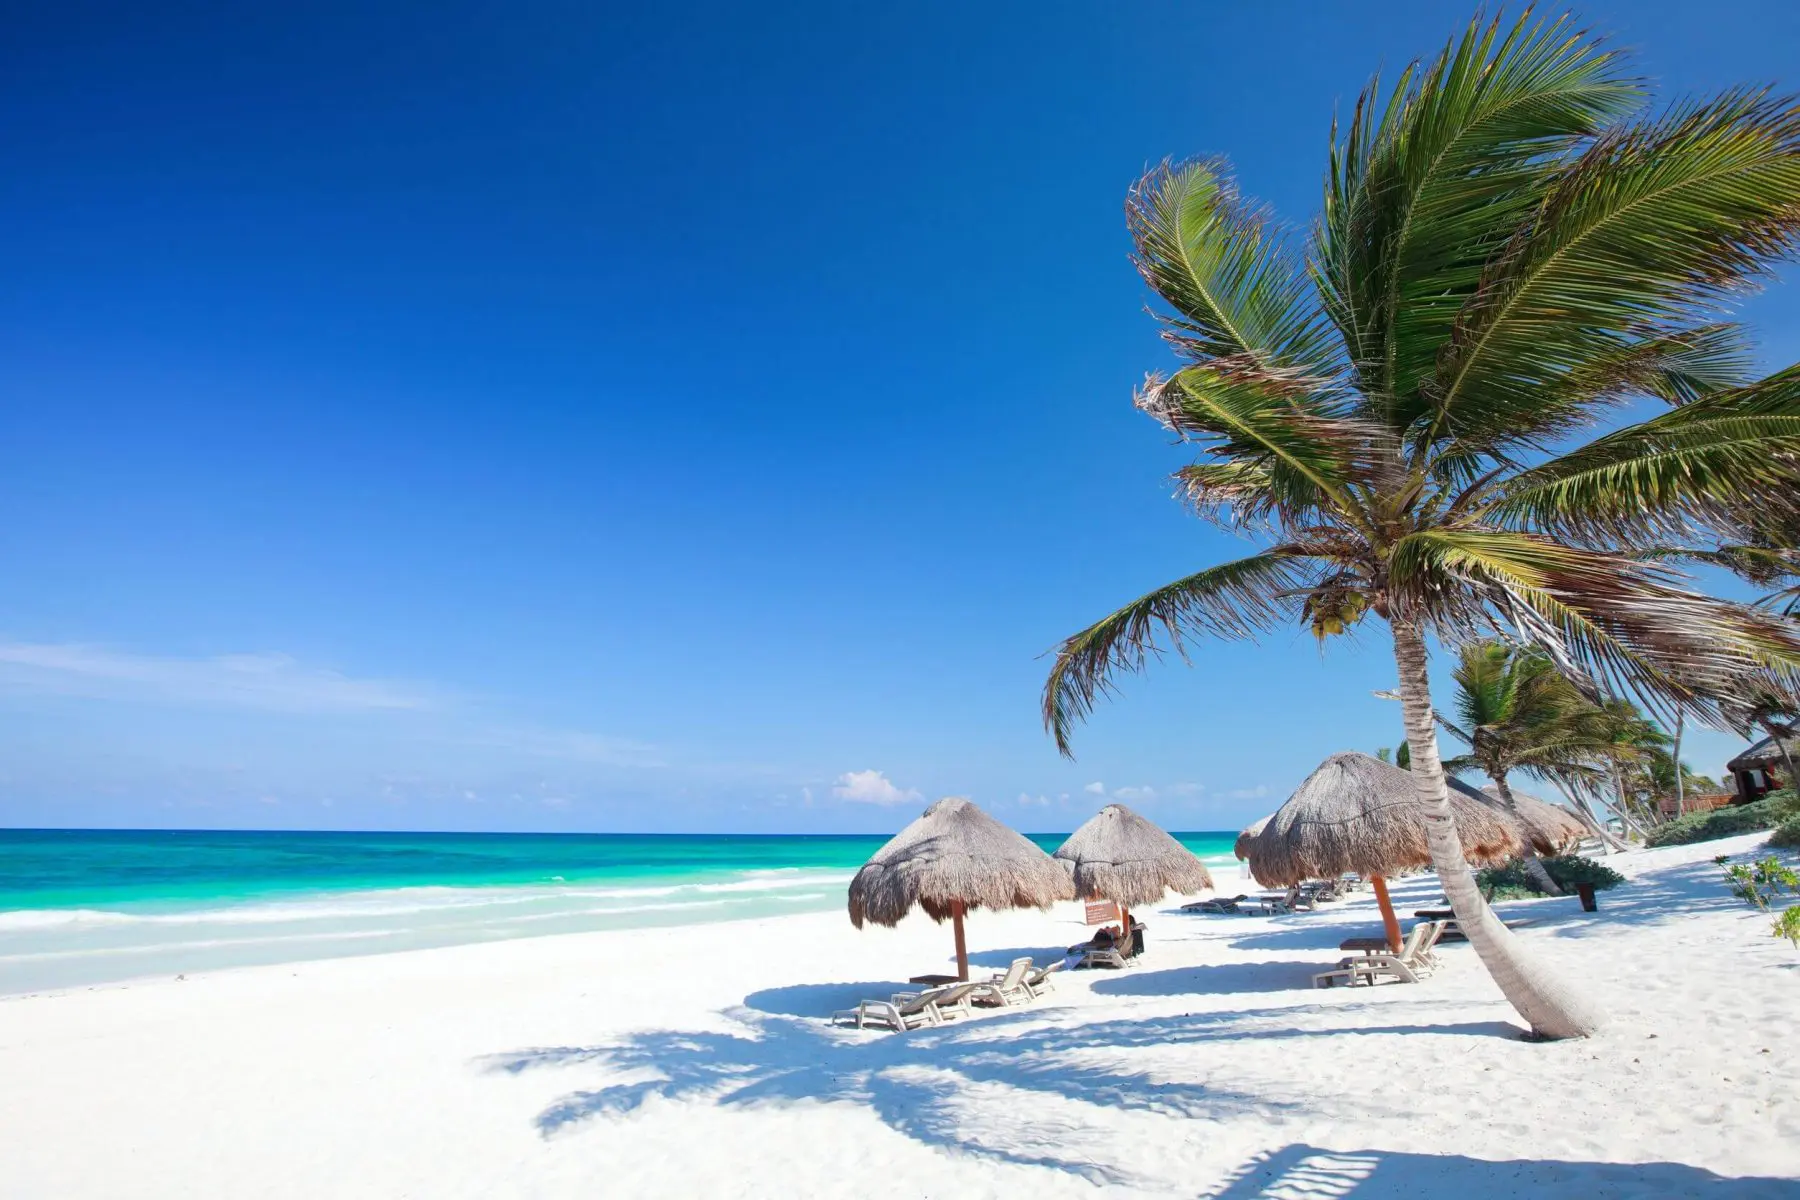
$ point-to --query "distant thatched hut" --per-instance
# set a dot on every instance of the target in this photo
(1547, 828)
(1357, 814)
(1241, 847)
(1763, 767)
(951, 860)
(1117, 855)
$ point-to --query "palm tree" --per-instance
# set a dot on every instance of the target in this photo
(1507, 250)
(1516, 712)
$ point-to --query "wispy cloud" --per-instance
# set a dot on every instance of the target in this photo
(1249, 793)
(269, 681)
(872, 787)
(1095, 788)
(571, 745)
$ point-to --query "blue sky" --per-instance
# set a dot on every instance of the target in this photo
(641, 417)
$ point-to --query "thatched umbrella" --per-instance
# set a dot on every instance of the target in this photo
(1359, 814)
(952, 859)
(1119, 856)
(1241, 846)
(1547, 828)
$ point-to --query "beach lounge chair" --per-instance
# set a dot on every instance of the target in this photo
(1284, 902)
(911, 1010)
(1037, 981)
(1217, 905)
(1004, 991)
(1413, 963)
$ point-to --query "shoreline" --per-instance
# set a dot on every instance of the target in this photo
(540, 1066)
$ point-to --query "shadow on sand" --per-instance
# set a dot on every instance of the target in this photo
(1300, 1171)
(918, 1084)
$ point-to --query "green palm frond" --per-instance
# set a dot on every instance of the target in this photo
(1236, 288)
(1233, 600)
(1604, 619)
(1650, 222)
(1677, 367)
(1419, 200)
(1706, 462)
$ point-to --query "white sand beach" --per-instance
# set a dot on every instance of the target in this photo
(695, 1062)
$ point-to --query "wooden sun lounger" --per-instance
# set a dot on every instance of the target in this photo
(1216, 905)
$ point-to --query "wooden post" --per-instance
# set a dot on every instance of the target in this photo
(962, 947)
(1388, 918)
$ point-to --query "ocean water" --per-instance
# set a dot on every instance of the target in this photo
(86, 907)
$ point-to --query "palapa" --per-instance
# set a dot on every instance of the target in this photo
(1118, 855)
(1547, 828)
(1241, 846)
(952, 859)
(1357, 814)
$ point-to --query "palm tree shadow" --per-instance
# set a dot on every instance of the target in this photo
(1308, 1171)
(918, 1083)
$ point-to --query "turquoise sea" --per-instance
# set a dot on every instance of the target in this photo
(85, 907)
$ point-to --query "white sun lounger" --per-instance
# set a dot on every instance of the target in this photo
(1004, 991)
(1037, 981)
(1413, 963)
(911, 1010)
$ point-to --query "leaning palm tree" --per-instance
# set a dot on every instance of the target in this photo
(1508, 248)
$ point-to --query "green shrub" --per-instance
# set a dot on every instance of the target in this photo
(1787, 925)
(1785, 803)
(1787, 834)
(1509, 881)
(1722, 822)
(1571, 869)
(1760, 882)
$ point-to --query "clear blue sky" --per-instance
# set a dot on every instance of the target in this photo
(573, 416)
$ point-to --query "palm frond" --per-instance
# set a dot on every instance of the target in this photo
(1420, 200)
(1648, 224)
(1707, 462)
(1273, 420)
(1235, 285)
(1609, 622)
(1233, 600)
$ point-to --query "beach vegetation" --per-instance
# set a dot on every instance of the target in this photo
(1786, 835)
(1512, 880)
(1728, 821)
(1787, 925)
(1512, 249)
(1761, 882)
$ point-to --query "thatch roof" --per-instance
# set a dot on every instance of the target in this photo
(1549, 828)
(1765, 753)
(955, 852)
(1239, 847)
(1359, 814)
(1117, 855)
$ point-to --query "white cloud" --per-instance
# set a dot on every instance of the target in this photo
(1134, 795)
(1096, 788)
(1249, 793)
(1026, 800)
(272, 681)
(872, 787)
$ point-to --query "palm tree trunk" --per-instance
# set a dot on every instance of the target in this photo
(1680, 792)
(1552, 1010)
(1787, 759)
(1585, 811)
(1534, 866)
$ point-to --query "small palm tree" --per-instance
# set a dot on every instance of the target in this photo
(1508, 250)
(1516, 712)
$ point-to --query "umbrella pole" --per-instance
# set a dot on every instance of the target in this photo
(1388, 919)
(962, 947)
